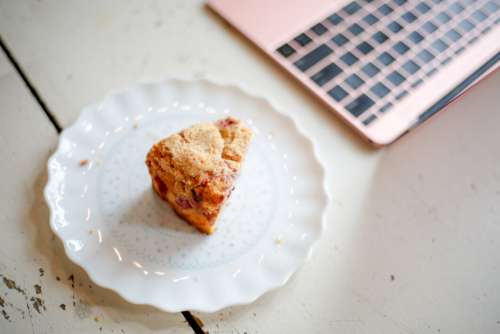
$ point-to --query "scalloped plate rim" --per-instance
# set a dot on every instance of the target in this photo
(93, 274)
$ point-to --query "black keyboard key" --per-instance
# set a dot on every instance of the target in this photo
(473, 40)
(456, 8)
(417, 83)
(466, 25)
(340, 39)
(354, 81)
(313, 57)
(431, 72)
(409, 17)
(439, 45)
(485, 30)
(385, 58)
(326, 74)
(319, 29)
(380, 37)
(369, 119)
(453, 35)
(394, 27)
(411, 67)
(355, 29)
(443, 18)
(338, 93)
(335, 19)
(380, 90)
(359, 105)
(479, 16)
(352, 8)
(286, 50)
(385, 9)
(446, 61)
(370, 69)
(396, 78)
(437, 1)
(386, 107)
(401, 48)
(370, 19)
(425, 56)
(490, 7)
(303, 39)
(400, 2)
(429, 27)
(401, 95)
(365, 48)
(416, 37)
(349, 58)
(423, 7)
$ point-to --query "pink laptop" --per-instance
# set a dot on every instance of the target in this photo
(384, 66)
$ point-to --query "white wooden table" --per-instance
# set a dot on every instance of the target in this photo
(412, 240)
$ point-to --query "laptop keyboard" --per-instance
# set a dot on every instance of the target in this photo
(370, 54)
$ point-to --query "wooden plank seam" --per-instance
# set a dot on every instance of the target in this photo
(28, 84)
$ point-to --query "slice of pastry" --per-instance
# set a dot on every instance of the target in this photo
(194, 170)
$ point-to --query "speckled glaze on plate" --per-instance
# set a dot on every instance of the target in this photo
(114, 226)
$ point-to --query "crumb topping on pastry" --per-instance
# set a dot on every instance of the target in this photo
(194, 170)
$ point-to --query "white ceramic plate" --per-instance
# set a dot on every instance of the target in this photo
(113, 225)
